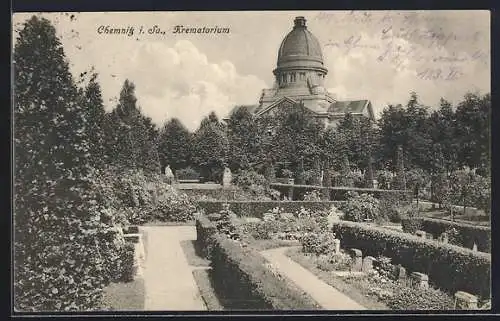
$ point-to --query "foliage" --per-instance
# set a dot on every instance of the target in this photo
(384, 178)
(127, 262)
(312, 196)
(187, 173)
(54, 175)
(361, 207)
(131, 142)
(175, 145)
(210, 148)
(258, 208)
(240, 276)
(334, 262)
(452, 268)
(317, 243)
(466, 235)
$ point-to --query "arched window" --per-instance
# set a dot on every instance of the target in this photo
(293, 77)
(302, 75)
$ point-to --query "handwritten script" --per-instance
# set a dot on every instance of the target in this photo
(403, 38)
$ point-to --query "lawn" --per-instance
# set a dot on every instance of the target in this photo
(125, 296)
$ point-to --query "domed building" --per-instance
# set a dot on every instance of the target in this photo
(299, 80)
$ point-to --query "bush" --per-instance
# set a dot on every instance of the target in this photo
(360, 208)
(127, 262)
(450, 267)
(312, 196)
(334, 262)
(408, 298)
(205, 231)
(242, 280)
(187, 173)
(258, 208)
(412, 224)
(317, 243)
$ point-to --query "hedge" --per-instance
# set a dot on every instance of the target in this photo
(336, 193)
(205, 230)
(451, 268)
(468, 234)
(258, 208)
(241, 279)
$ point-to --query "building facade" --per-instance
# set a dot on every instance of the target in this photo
(299, 79)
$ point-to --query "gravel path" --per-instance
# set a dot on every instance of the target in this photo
(168, 278)
(327, 296)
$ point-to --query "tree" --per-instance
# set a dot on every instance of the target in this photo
(175, 146)
(210, 147)
(443, 132)
(245, 140)
(93, 104)
(473, 130)
(134, 145)
(57, 227)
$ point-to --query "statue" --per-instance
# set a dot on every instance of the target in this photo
(226, 177)
(169, 175)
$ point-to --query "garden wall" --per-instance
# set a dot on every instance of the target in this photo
(241, 279)
(449, 267)
(258, 208)
(467, 234)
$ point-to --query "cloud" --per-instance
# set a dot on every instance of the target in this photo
(180, 82)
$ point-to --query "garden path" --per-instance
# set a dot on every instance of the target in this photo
(327, 296)
(168, 278)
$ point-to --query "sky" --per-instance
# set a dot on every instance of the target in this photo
(377, 55)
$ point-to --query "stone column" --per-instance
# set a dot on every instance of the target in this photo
(465, 301)
(336, 243)
(357, 258)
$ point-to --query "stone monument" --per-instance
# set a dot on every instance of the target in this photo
(169, 175)
(226, 177)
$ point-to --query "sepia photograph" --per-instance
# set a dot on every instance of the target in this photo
(251, 161)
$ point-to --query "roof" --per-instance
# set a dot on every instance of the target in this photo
(300, 45)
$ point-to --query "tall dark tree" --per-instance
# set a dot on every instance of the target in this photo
(245, 140)
(93, 104)
(57, 265)
(445, 145)
(134, 143)
(175, 145)
(210, 148)
(473, 130)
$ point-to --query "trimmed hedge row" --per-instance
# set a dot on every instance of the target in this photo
(468, 234)
(241, 279)
(258, 208)
(205, 231)
(336, 193)
(449, 267)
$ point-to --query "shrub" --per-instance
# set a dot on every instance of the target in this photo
(362, 207)
(187, 173)
(408, 298)
(242, 280)
(452, 268)
(258, 208)
(205, 231)
(334, 262)
(317, 243)
(127, 262)
(384, 179)
(312, 196)
(412, 224)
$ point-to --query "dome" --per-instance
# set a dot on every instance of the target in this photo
(300, 48)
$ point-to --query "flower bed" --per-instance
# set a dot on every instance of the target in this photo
(467, 234)
(450, 267)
